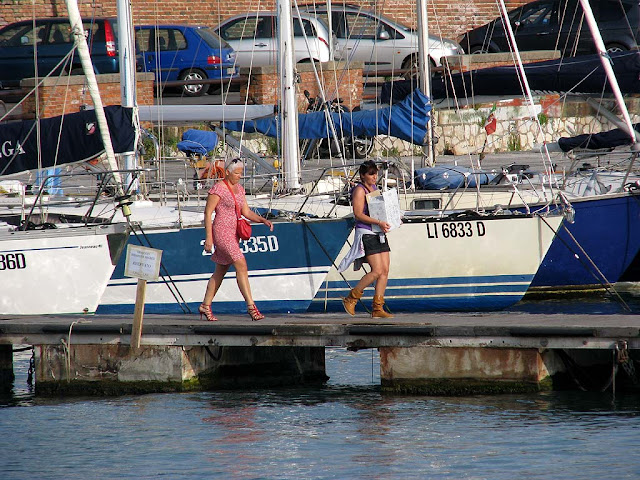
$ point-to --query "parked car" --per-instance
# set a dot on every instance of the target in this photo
(253, 36)
(378, 41)
(181, 52)
(53, 41)
(559, 25)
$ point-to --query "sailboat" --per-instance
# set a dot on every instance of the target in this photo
(591, 251)
(63, 269)
(286, 266)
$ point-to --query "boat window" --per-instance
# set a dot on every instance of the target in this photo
(427, 204)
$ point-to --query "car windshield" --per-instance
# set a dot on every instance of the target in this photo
(212, 38)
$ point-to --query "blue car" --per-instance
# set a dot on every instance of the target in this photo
(53, 40)
(181, 52)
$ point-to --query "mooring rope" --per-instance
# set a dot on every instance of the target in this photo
(603, 281)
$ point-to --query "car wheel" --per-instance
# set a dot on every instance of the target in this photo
(197, 89)
(616, 47)
(477, 49)
(411, 65)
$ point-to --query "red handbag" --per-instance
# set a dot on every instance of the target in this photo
(243, 228)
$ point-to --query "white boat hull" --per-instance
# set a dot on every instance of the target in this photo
(57, 271)
(475, 263)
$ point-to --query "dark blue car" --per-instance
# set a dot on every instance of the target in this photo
(52, 40)
(181, 52)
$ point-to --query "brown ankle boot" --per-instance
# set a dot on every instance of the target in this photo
(377, 309)
(351, 300)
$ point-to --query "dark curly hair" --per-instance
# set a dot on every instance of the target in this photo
(368, 167)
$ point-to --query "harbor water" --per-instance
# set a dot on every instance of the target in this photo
(346, 429)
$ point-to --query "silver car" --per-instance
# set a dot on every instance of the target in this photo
(253, 37)
(378, 41)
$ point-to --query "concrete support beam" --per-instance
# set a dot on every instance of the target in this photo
(6, 368)
(120, 369)
(463, 371)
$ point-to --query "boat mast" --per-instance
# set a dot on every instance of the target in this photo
(127, 57)
(289, 103)
(85, 58)
(606, 64)
(80, 41)
(424, 73)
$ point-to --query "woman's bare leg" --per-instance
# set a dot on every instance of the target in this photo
(242, 277)
(379, 263)
(214, 283)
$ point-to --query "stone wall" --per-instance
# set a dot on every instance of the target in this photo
(462, 131)
(447, 19)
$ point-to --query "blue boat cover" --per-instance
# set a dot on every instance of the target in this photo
(198, 141)
(442, 177)
(406, 120)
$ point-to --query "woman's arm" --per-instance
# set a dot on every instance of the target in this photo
(212, 203)
(358, 210)
(254, 217)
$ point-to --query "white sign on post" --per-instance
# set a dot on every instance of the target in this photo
(386, 207)
(142, 262)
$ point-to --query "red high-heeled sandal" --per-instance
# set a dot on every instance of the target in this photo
(206, 311)
(254, 313)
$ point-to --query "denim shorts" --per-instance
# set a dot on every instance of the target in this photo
(373, 245)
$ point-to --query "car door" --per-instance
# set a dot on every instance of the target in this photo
(536, 26)
(252, 37)
(146, 49)
(161, 49)
(363, 38)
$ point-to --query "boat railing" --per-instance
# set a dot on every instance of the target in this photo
(53, 190)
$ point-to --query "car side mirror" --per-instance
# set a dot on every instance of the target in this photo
(517, 23)
(24, 40)
(384, 35)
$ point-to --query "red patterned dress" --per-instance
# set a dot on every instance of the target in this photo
(226, 248)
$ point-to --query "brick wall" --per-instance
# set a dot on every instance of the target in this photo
(264, 88)
(59, 97)
(446, 18)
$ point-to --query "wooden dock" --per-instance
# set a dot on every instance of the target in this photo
(426, 353)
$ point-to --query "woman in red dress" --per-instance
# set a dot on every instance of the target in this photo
(227, 248)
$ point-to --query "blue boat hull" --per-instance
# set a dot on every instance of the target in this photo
(286, 268)
(608, 230)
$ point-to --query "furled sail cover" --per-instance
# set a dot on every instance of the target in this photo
(70, 138)
(406, 120)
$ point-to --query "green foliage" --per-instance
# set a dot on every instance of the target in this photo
(391, 152)
(543, 118)
(513, 143)
(272, 146)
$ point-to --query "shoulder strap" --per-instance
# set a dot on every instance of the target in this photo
(366, 189)
(234, 197)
